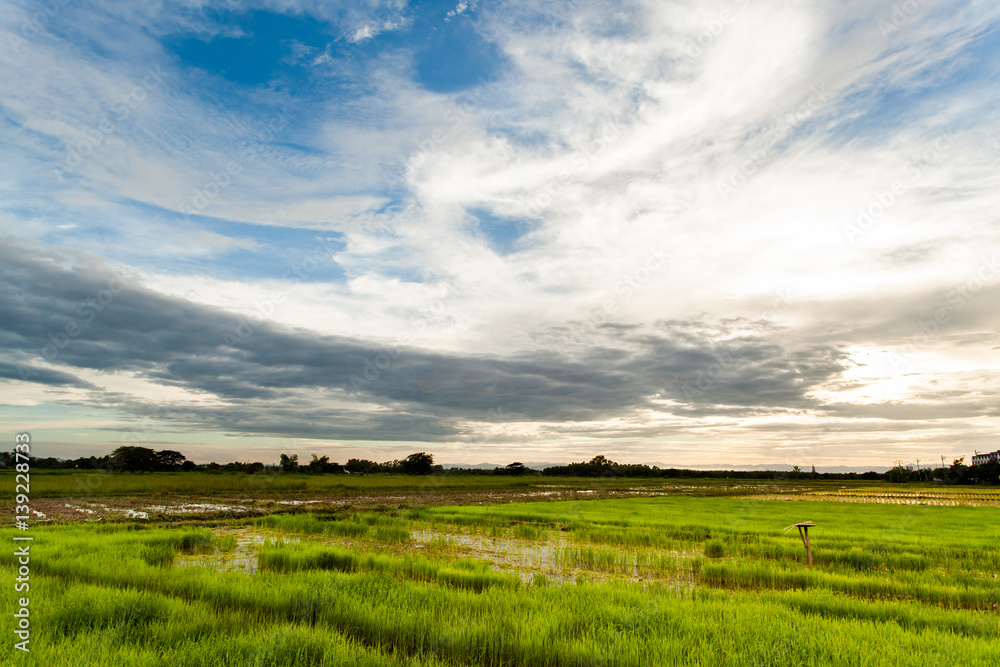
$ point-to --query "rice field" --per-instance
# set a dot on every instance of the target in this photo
(664, 580)
(88, 495)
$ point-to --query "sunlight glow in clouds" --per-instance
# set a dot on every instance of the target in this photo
(726, 232)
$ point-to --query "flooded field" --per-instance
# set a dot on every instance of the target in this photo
(646, 573)
(114, 509)
(559, 559)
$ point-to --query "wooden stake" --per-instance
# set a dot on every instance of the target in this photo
(804, 534)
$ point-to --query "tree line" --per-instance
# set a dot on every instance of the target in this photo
(956, 473)
(144, 459)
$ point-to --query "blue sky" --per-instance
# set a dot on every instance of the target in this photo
(675, 232)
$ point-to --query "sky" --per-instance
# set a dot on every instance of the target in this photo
(734, 232)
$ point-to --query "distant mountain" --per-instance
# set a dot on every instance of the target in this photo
(779, 467)
(782, 467)
(491, 466)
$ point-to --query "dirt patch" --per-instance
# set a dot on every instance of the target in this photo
(193, 507)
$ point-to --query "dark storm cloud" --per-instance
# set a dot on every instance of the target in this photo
(40, 375)
(69, 309)
(303, 415)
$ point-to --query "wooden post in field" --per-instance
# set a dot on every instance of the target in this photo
(804, 534)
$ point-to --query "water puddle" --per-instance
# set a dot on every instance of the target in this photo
(554, 559)
(193, 508)
(243, 558)
(526, 559)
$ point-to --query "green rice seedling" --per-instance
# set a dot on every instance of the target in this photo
(225, 543)
(829, 604)
(756, 576)
(714, 548)
(381, 528)
(463, 573)
(295, 523)
(861, 560)
(392, 534)
(85, 608)
(416, 514)
(527, 531)
(84, 624)
(347, 529)
(196, 541)
(161, 554)
(440, 546)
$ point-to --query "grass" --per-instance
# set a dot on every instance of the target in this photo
(714, 548)
(675, 580)
(91, 484)
(276, 485)
(466, 573)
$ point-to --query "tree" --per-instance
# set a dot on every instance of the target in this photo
(988, 472)
(134, 459)
(318, 466)
(599, 466)
(601, 461)
(8, 459)
(290, 463)
(899, 474)
(360, 466)
(516, 468)
(420, 463)
(957, 473)
(169, 460)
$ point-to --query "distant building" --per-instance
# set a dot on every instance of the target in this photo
(980, 459)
